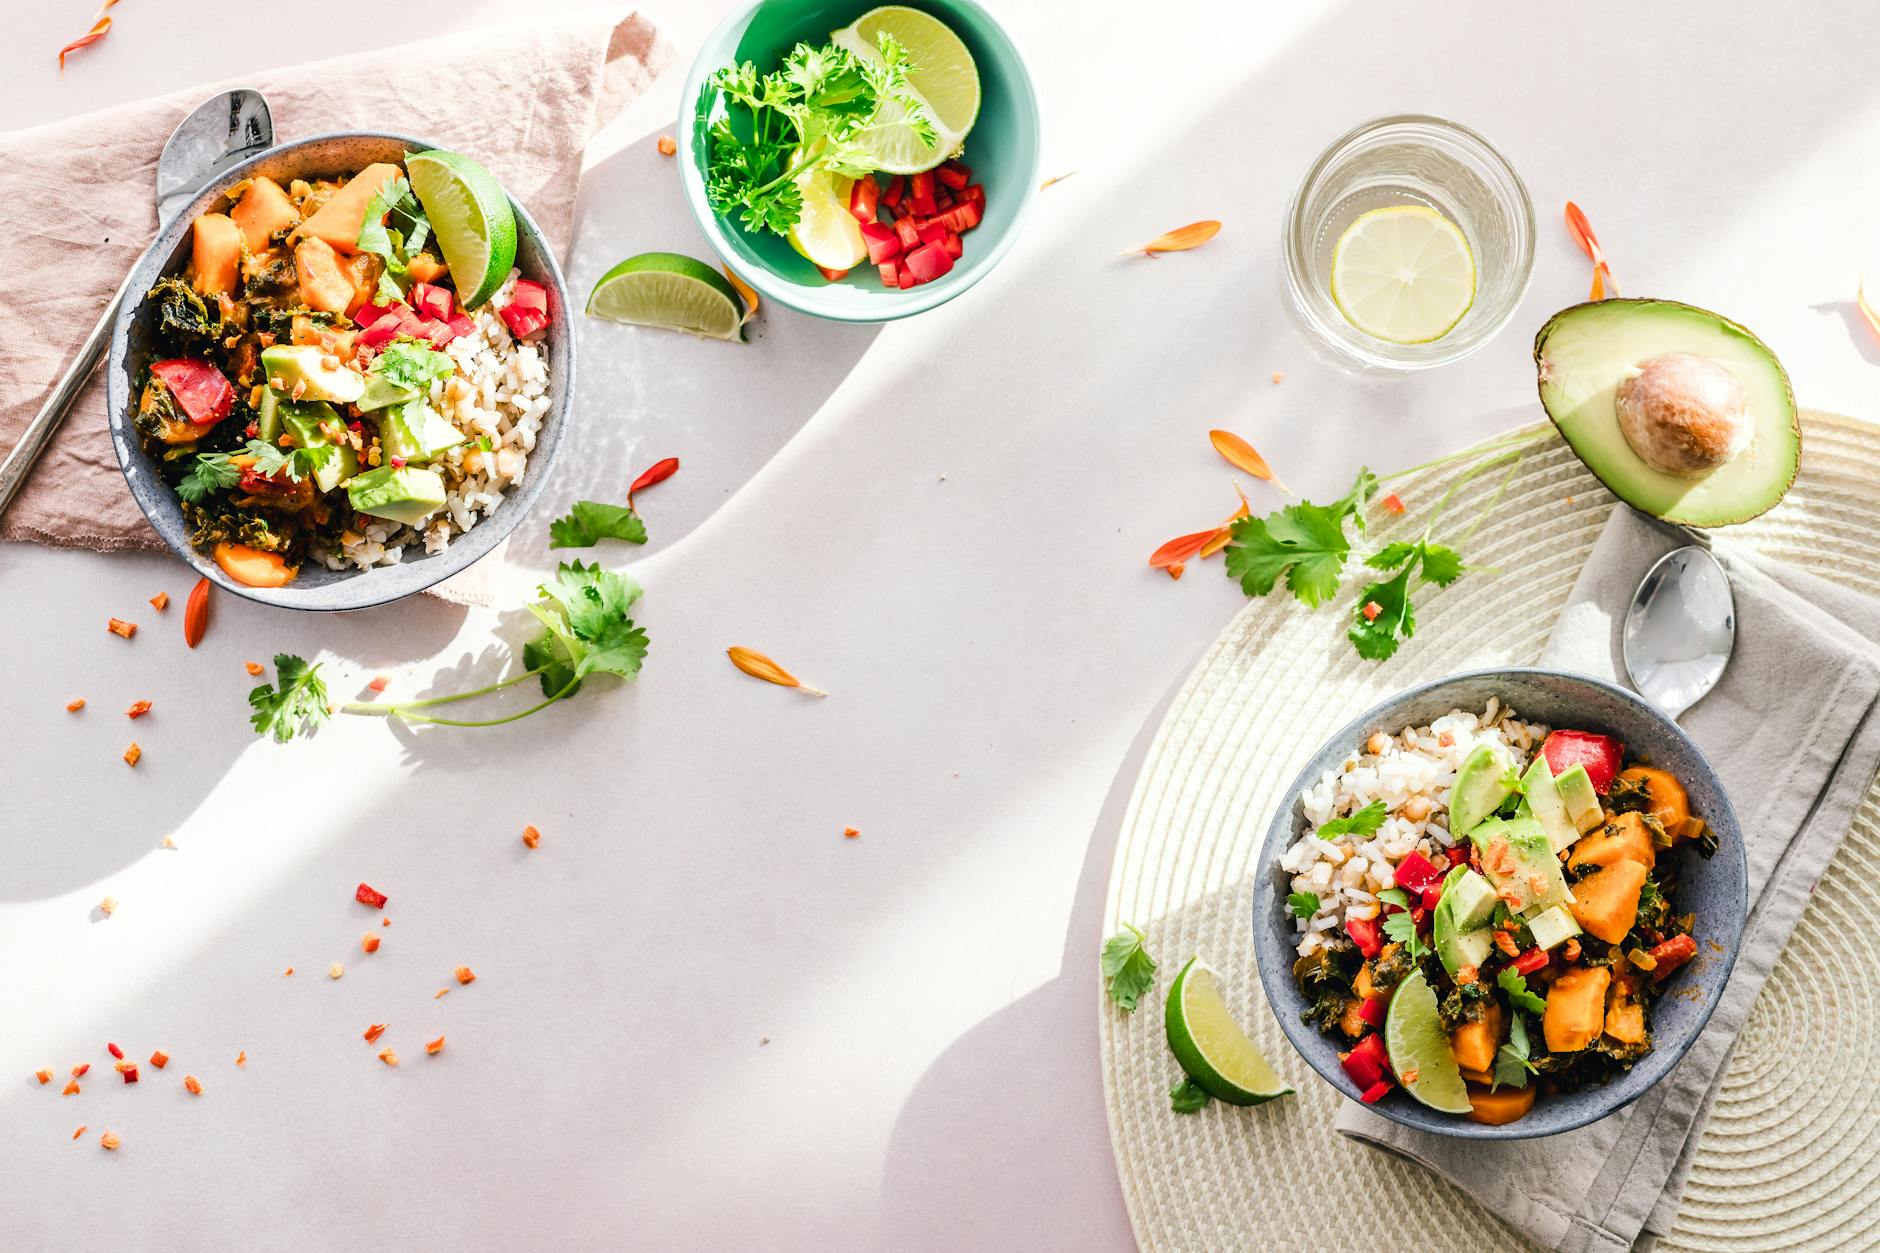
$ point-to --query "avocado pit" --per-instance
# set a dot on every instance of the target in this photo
(1683, 414)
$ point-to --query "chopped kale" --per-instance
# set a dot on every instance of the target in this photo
(186, 324)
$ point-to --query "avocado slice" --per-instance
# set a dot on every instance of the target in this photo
(1459, 925)
(380, 392)
(268, 416)
(1552, 927)
(304, 364)
(407, 494)
(1588, 353)
(1575, 789)
(415, 432)
(1545, 806)
(304, 422)
(1514, 852)
(1481, 787)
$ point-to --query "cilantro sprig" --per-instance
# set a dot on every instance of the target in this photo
(216, 471)
(1188, 1097)
(1512, 1066)
(1128, 969)
(1514, 984)
(296, 707)
(1401, 927)
(591, 521)
(1365, 821)
(394, 230)
(1303, 904)
(814, 113)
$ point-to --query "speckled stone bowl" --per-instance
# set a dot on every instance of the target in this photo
(1714, 889)
(317, 587)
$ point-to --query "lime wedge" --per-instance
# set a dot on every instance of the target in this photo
(1403, 274)
(826, 232)
(944, 79)
(667, 290)
(1210, 1045)
(1419, 1048)
(471, 217)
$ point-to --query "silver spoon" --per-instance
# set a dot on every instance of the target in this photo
(1680, 629)
(228, 127)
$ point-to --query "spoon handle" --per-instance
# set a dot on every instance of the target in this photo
(39, 431)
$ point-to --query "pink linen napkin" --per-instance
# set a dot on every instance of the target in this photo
(81, 208)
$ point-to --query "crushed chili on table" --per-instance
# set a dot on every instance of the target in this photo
(117, 626)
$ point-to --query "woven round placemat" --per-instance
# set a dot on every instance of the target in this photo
(1791, 1158)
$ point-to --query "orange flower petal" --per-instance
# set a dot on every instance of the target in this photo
(1180, 239)
(1604, 284)
(1180, 549)
(1220, 541)
(1867, 311)
(1238, 453)
(745, 291)
(759, 666)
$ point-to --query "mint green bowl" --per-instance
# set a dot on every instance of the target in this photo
(1002, 150)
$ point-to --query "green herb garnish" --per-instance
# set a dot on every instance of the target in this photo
(1127, 966)
(1303, 904)
(1514, 983)
(591, 521)
(1187, 1097)
(1365, 821)
(297, 707)
(1512, 1066)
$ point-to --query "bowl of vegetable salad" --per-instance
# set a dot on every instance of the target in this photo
(1502, 904)
(860, 162)
(342, 374)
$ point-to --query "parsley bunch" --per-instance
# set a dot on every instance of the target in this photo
(816, 112)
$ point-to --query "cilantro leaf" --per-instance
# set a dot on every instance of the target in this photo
(211, 473)
(1512, 1066)
(1402, 928)
(1514, 983)
(584, 611)
(590, 521)
(1365, 821)
(1395, 896)
(394, 245)
(297, 707)
(1127, 966)
(411, 364)
(1442, 565)
(1390, 556)
(1303, 904)
(1304, 542)
(1376, 636)
(1187, 1097)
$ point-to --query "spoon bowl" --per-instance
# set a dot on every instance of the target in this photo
(1680, 629)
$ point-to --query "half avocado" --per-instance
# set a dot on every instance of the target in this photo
(1681, 413)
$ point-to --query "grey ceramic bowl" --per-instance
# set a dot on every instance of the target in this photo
(317, 587)
(1716, 890)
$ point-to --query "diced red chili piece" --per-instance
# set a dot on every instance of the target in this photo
(883, 243)
(905, 231)
(962, 217)
(976, 194)
(1392, 503)
(1371, 610)
(1600, 754)
(931, 232)
(1366, 934)
(920, 194)
(1414, 872)
(431, 301)
(953, 174)
(1419, 916)
(928, 262)
(1672, 954)
(953, 244)
(130, 1074)
(865, 199)
(369, 895)
(1375, 1093)
(527, 310)
(1372, 1010)
(1456, 856)
(202, 392)
(1530, 961)
(905, 279)
(890, 274)
(891, 194)
(114, 1050)
(1366, 1064)
(1432, 894)
(942, 200)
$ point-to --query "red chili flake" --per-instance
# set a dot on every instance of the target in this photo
(160, 601)
(251, 430)
(667, 146)
(193, 1084)
(369, 895)
(1392, 503)
(133, 755)
(850, 833)
(434, 1046)
(241, 1058)
(253, 667)
(287, 972)
(370, 943)
(129, 1073)
(110, 1140)
(1175, 571)
(71, 1089)
(374, 1031)
(531, 836)
(79, 1070)
(81, 1131)
(355, 425)
(114, 1050)
(465, 975)
(385, 922)
(159, 1059)
(117, 626)
(389, 1056)
(379, 683)
(658, 472)
(1371, 610)
(44, 1077)
(138, 709)
(74, 706)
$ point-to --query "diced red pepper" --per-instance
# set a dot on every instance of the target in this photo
(905, 231)
(1392, 503)
(527, 311)
(1414, 872)
(1530, 961)
(883, 243)
(920, 194)
(369, 315)
(1419, 916)
(834, 276)
(891, 194)
(1366, 934)
(942, 200)
(954, 245)
(1375, 1093)
(890, 274)
(1600, 754)
(931, 232)
(431, 301)
(202, 392)
(1672, 954)
(1372, 1010)
(905, 279)
(1456, 855)
(865, 199)
(114, 1050)
(130, 1074)
(1366, 1064)
(928, 262)
(381, 332)
(1431, 894)
(962, 217)
(460, 325)
(977, 195)
(369, 895)
(953, 174)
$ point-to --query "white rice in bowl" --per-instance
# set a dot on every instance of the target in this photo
(499, 394)
(1413, 773)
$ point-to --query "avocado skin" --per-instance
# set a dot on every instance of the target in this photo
(1735, 328)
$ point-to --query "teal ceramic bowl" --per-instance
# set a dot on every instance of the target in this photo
(1002, 149)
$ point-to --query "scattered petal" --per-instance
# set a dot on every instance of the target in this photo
(241, 1058)
(1180, 239)
(1861, 302)
(1582, 231)
(100, 27)
(389, 1056)
(658, 472)
(287, 972)
(1180, 549)
(759, 666)
(82, 1129)
(1238, 453)
(745, 291)
(441, 992)
(850, 833)
(193, 1085)
(1055, 178)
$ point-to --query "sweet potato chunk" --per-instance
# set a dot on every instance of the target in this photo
(1669, 804)
(1605, 903)
(1625, 1014)
(324, 284)
(339, 219)
(215, 255)
(263, 209)
(1474, 1043)
(1503, 1105)
(1625, 838)
(1576, 1009)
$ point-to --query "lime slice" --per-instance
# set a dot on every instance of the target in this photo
(471, 217)
(826, 232)
(1419, 1048)
(1403, 274)
(1210, 1045)
(667, 290)
(944, 80)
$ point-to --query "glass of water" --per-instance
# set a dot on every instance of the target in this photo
(1409, 160)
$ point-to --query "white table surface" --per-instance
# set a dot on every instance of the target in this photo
(944, 523)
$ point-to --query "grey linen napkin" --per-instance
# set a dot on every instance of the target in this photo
(1794, 733)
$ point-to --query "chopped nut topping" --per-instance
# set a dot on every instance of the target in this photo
(254, 667)
(389, 1056)
(107, 907)
(335, 971)
(667, 146)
